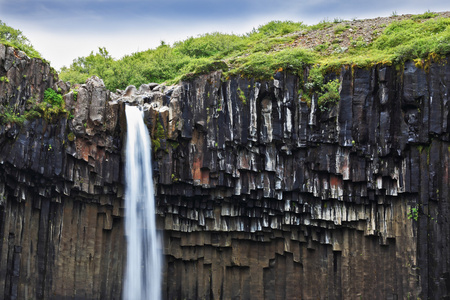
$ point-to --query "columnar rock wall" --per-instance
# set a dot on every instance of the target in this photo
(61, 207)
(260, 195)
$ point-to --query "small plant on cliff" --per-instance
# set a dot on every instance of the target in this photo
(312, 85)
(50, 108)
(242, 96)
(315, 80)
(8, 114)
(304, 97)
(159, 135)
(53, 105)
(174, 178)
(71, 136)
(75, 95)
(413, 213)
(330, 94)
(54, 98)
(12, 114)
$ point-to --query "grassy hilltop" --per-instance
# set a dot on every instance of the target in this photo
(274, 46)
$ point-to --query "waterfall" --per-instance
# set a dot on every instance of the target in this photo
(144, 260)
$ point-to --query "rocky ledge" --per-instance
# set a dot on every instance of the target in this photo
(260, 194)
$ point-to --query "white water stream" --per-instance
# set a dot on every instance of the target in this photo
(144, 257)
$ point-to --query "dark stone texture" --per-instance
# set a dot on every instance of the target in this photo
(259, 196)
(61, 216)
(285, 194)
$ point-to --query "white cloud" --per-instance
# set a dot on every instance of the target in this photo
(61, 48)
(80, 29)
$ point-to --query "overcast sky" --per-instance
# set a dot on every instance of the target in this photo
(62, 30)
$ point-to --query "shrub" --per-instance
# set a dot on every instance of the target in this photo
(315, 80)
(324, 24)
(53, 98)
(9, 115)
(275, 28)
(330, 94)
(200, 66)
(15, 38)
(210, 44)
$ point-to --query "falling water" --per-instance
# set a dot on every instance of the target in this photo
(143, 270)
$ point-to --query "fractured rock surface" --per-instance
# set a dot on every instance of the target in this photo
(61, 207)
(259, 195)
(265, 197)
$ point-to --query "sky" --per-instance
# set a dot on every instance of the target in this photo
(62, 30)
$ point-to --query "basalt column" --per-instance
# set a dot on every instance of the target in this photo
(61, 207)
(262, 195)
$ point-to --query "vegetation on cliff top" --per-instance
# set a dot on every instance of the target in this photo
(15, 38)
(263, 51)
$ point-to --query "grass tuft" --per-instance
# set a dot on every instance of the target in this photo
(266, 49)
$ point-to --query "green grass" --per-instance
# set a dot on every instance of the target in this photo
(14, 38)
(51, 108)
(340, 29)
(53, 98)
(263, 65)
(400, 41)
(263, 51)
(11, 114)
(324, 24)
(330, 94)
(427, 15)
(210, 45)
(189, 58)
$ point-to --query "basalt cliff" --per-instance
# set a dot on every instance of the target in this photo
(260, 195)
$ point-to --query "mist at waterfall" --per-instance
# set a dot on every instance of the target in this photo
(144, 257)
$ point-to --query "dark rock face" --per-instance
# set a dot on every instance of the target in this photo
(269, 198)
(61, 225)
(259, 195)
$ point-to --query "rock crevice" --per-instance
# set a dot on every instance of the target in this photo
(259, 193)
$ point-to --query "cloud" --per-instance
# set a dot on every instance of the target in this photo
(64, 30)
(61, 48)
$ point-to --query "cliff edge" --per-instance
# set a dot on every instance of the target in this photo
(261, 192)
